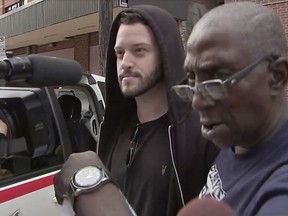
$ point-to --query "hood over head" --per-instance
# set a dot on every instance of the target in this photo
(166, 32)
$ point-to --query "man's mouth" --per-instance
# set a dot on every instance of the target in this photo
(128, 75)
(210, 126)
(209, 130)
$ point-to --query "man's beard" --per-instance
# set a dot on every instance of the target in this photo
(146, 83)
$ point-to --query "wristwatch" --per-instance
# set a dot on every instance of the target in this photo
(86, 180)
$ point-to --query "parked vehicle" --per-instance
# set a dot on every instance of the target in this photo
(40, 142)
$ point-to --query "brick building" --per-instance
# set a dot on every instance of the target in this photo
(60, 28)
(9, 5)
(69, 29)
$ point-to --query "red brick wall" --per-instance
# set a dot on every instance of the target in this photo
(1, 7)
(58, 46)
(281, 8)
(82, 50)
(5, 3)
(9, 2)
(81, 45)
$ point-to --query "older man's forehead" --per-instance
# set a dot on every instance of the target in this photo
(187, 62)
(196, 33)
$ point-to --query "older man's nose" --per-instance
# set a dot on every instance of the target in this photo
(201, 102)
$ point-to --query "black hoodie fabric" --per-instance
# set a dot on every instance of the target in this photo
(192, 154)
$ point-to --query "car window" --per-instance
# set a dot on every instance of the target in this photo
(76, 92)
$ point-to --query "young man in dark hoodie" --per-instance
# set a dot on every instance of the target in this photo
(150, 140)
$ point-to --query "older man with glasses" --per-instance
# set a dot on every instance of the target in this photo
(238, 69)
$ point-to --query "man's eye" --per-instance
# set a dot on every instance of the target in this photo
(119, 53)
(190, 75)
(191, 82)
(221, 76)
(140, 50)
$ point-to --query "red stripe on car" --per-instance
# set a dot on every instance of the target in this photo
(25, 188)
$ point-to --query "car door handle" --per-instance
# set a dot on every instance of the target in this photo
(16, 213)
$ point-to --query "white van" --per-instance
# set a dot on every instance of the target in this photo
(35, 119)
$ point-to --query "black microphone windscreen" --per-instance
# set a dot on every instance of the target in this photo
(206, 207)
(49, 71)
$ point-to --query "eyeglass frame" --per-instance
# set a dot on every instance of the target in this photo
(233, 80)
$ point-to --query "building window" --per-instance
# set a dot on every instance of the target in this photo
(14, 6)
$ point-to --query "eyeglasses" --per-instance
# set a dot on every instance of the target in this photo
(216, 89)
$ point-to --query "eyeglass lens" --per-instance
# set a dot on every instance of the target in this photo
(184, 92)
(213, 89)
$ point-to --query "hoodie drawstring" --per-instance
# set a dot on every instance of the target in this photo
(174, 165)
(98, 140)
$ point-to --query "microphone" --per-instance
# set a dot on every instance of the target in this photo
(206, 207)
(38, 70)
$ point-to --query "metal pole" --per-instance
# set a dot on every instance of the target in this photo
(105, 21)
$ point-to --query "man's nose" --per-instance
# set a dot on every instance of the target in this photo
(127, 61)
(201, 102)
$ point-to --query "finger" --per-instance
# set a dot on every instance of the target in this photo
(59, 199)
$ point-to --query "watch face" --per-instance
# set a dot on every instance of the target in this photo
(88, 176)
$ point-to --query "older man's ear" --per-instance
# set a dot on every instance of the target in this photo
(279, 74)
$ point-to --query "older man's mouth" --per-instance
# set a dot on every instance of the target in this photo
(209, 130)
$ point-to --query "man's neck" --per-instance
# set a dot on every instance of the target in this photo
(152, 104)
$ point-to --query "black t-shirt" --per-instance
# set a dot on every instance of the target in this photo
(148, 179)
(254, 182)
